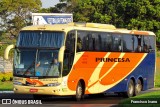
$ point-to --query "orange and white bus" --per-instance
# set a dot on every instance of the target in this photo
(92, 58)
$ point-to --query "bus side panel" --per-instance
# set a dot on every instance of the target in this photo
(151, 72)
(145, 69)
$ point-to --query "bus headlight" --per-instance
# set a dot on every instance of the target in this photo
(53, 84)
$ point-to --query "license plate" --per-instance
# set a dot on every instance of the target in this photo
(33, 90)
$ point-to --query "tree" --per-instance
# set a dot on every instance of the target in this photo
(15, 14)
(87, 10)
(131, 14)
(135, 14)
(50, 10)
(147, 16)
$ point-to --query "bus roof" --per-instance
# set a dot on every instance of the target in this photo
(86, 26)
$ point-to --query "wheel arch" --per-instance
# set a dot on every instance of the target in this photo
(131, 78)
(83, 84)
(129, 93)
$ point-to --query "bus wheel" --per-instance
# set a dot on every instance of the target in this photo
(138, 87)
(79, 92)
(130, 90)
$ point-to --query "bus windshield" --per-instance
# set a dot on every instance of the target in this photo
(34, 39)
(37, 53)
(36, 62)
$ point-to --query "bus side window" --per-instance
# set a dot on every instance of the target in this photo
(117, 43)
(135, 43)
(106, 42)
(81, 41)
(127, 43)
(96, 41)
(100, 42)
(88, 42)
(139, 47)
(151, 43)
(146, 44)
(70, 41)
(69, 52)
(79, 44)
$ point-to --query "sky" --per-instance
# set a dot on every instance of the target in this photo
(49, 3)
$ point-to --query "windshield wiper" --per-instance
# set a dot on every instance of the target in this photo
(32, 64)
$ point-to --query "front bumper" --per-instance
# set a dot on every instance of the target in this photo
(58, 90)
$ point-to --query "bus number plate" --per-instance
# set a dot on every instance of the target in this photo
(33, 90)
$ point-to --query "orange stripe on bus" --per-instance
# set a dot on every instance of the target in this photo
(84, 68)
(34, 82)
(122, 69)
(108, 65)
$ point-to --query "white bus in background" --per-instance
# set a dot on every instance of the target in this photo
(51, 18)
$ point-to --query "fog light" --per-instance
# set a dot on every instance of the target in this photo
(15, 89)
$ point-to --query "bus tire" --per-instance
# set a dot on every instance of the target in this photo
(138, 87)
(130, 89)
(79, 92)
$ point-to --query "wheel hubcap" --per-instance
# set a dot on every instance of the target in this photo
(138, 88)
(79, 92)
(130, 89)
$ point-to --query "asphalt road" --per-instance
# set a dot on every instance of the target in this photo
(89, 101)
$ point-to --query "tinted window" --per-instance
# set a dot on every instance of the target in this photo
(116, 43)
(87, 41)
(145, 44)
(152, 43)
(69, 53)
(70, 41)
(139, 39)
(96, 41)
(82, 41)
(40, 39)
(127, 43)
(135, 43)
(106, 42)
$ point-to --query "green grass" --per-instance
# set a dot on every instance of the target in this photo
(6, 75)
(158, 54)
(151, 96)
(6, 86)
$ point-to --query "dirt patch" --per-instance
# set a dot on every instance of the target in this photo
(158, 59)
(158, 64)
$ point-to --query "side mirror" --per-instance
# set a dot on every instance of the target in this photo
(7, 50)
(61, 54)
